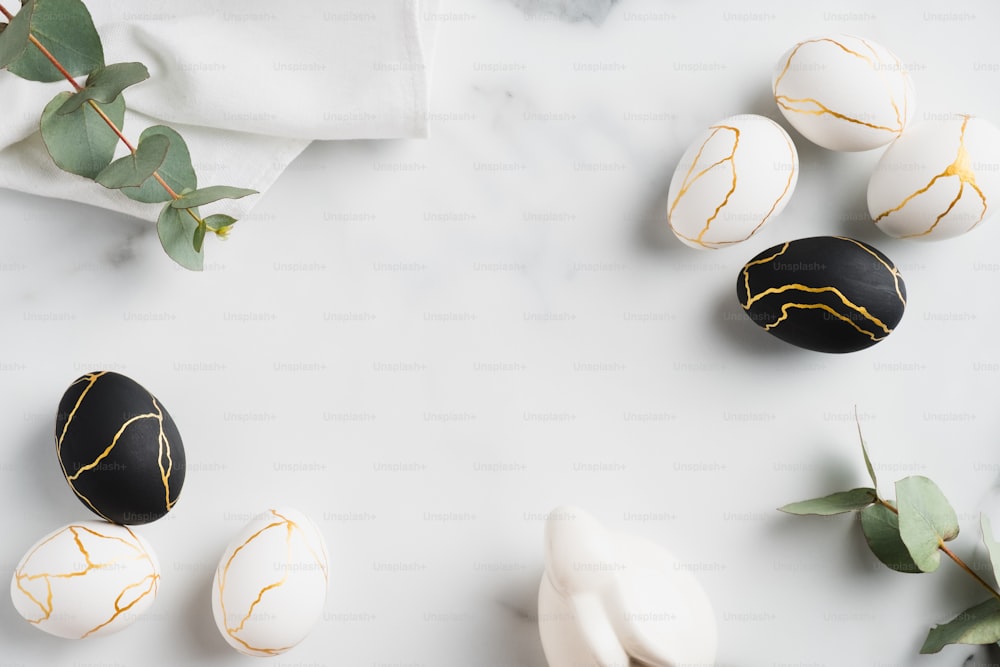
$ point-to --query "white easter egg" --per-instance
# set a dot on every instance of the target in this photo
(734, 177)
(844, 93)
(270, 585)
(86, 579)
(610, 598)
(938, 180)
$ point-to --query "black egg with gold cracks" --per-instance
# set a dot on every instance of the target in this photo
(825, 293)
(119, 448)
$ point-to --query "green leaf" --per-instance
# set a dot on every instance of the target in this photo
(219, 222)
(81, 142)
(135, 169)
(176, 169)
(864, 452)
(14, 39)
(210, 194)
(976, 625)
(65, 28)
(105, 84)
(992, 546)
(176, 230)
(881, 528)
(926, 520)
(835, 503)
(199, 237)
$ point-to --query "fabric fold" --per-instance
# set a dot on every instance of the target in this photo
(247, 85)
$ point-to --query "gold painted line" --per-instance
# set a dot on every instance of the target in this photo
(79, 545)
(982, 200)
(685, 185)
(164, 445)
(900, 119)
(961, 189)
(86, 500)
(225, 573)
(107, 451)
(152, 588)
(783, 100)
(46, 610)
(137, 547)
(231, 632)
(731, 159)
(788, 184)
(91, 379)
(817, 306)
(959, 167)
(253, 604)
(909, 197)
(822, 290)
(786, 103)
(322, 562)
(891, 269)
(763, 260)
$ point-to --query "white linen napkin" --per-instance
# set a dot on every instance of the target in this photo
(248, 85)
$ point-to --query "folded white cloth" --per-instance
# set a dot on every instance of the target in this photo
(248, 85)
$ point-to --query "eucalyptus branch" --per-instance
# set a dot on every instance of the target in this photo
(909, 535)
(158, 167)
(950, 554)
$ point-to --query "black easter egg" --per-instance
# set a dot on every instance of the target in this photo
(119, 448)
(825, 293)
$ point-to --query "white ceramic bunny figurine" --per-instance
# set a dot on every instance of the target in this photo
(614, 600)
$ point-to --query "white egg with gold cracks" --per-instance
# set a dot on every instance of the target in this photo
(843, 92)
(938, 180)
(609, 598)
(271, 582)
(735, 176)
(86, 579)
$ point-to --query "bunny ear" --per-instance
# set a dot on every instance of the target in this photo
(578, 553)
(598, 632)
(644, 606)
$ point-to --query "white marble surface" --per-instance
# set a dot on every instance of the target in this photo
(426, 345)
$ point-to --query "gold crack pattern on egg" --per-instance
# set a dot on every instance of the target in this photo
(87, 579)
(738, 174)
(938, 180)
(119, 449)
(825, 293)
(844, 93)
(270, 585)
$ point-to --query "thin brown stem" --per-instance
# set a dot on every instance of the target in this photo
(55, 63)
(972, 573)
(100, 112)
(954, 557)
(97, 109)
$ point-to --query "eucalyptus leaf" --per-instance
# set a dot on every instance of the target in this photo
(835, 503)
(992, 546)
(135, 168)
(14, 38)
(977, 625)
(176, 169)
(864, 452)
(105, 84)
(210, 194)
(219, 222)
(65, 28)
(926, 520)
(81, 142)
(881, 528)
(199, 237)
(176, 229)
